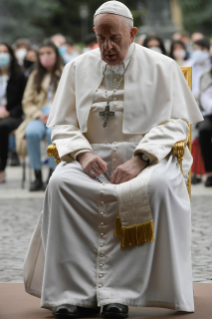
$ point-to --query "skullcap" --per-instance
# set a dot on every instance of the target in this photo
(114, 7)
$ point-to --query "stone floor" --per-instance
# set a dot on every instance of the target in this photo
(19, 212)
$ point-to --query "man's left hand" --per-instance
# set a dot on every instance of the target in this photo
(128, 170)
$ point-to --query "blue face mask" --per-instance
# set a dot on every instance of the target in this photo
(62, 50)
(200, 56)
(4, 60)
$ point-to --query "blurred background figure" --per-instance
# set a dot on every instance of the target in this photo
(37, 101)
(155, 43)
(90, 42)
(211, 46)
(196, 36)
(178, 52)
(140, 39)
(200, 62)
(12, 85)
(205, 128)
(30, 60)
(20, 47)
(60, 41)
(176, 36)
(71, 50)
(186, 39)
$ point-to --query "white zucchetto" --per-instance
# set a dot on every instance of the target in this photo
(114, 7)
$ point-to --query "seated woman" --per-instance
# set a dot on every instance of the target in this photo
(178, 52)
(37, 100)
(12, 85)
(205, 128)
(155, 43)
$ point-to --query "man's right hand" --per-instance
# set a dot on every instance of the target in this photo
(92, 164)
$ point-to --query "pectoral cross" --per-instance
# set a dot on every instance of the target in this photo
(106, 113)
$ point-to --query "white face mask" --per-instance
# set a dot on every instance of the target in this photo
(20, 55)
(200, 56)
(179, 54)
(156, 49)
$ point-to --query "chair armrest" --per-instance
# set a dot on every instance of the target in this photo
(52, 151)
(179, 150)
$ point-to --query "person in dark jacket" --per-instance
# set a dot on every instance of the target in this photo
(12, 85)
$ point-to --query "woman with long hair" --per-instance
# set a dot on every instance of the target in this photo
(155, 43)
(37, 100)
(12, 85)
(178, 52)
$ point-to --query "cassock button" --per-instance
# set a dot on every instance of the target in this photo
(101, 265)
(101, 245)
(102, 213)
(102, 234)
(102, 255)
(100, 286)
(102, 202)
(101, 275)
(102, 224)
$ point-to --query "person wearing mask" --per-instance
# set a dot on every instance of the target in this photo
(12, 85)
(30, 61)
(154, 43)
(21, 46)
(205, 128)
(200, 62)
(178, 52)
(37, 101)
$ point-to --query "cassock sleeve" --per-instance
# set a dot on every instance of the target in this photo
(159, 141)
(66, 133)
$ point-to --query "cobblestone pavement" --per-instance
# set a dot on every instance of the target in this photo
(19, 212)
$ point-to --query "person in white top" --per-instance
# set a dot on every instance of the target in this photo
(117, 113)
(200, 62)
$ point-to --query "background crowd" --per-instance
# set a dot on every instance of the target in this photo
(29, 76)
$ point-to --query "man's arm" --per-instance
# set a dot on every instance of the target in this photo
(156, 144)
(159, 141)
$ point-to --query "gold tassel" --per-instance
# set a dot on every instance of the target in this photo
(117, 230)
(134, 235)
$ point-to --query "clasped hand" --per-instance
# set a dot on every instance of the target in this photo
(94, 166)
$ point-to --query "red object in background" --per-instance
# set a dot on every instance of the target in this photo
(198, 166)
(95, 46)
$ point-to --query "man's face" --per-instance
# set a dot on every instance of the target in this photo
(114, 37)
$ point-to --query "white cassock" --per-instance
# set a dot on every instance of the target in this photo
(84, 264)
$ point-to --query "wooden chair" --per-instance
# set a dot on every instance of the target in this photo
(178, 148)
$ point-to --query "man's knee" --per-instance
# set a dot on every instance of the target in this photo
(159, 184)
(56, 182)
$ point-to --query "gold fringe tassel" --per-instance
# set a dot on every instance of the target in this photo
(134, 235)
(117, 229)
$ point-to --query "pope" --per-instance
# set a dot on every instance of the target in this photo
(115, 230)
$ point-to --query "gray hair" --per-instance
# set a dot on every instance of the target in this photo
(128, 22)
